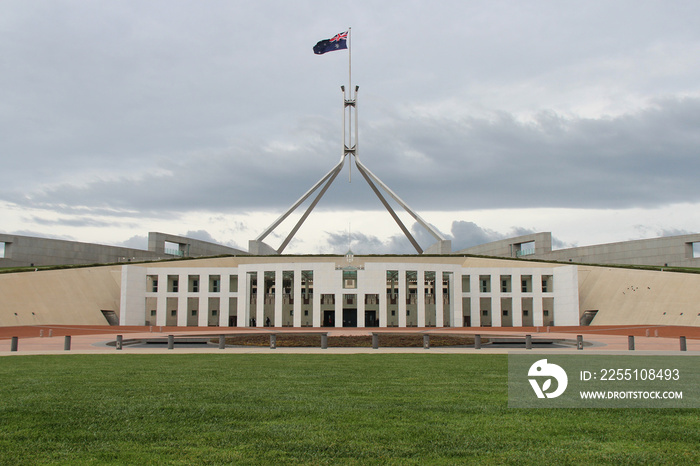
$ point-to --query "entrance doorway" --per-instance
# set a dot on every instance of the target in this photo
(371, 319)
(349, 317)
(329, 318)
(232, 321)
(467, 321)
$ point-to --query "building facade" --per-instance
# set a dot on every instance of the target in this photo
(288, 291)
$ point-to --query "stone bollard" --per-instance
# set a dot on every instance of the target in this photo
(426, 341)
(14, 344)
(375, 341)
(528, 341)
(171, 341)
(50, 332)
(548, 327)
(120, 342)
(656, 332)
(683, 344)
(648, 332)
(41, 333)
(324, 341)
(477, 341)
(273, 341)
(222, 341)
(579, 342)
(630, 342)
(66, 343)
(150, 329)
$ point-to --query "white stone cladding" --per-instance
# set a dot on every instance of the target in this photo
(562, 295)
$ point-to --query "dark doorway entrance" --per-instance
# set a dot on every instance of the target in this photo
(349, 317)
(371, 319)
(467, 321)
(329, 318)
(232, 321)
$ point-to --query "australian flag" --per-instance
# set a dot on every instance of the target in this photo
(337, 42)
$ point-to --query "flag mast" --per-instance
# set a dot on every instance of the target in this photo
(349, 102)
(349, 129)
(350, 150)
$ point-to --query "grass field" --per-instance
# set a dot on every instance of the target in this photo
(310, 409)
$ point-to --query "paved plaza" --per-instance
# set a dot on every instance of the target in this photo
(32, 340)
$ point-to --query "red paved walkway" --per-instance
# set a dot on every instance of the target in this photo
(90, 339)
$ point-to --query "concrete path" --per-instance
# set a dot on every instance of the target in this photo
(95, 340)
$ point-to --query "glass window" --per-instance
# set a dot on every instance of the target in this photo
(349, 278)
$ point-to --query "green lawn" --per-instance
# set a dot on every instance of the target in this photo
(311, 409)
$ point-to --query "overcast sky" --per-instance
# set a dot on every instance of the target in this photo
(210, 118)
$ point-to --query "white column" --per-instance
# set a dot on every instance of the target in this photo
(360, 300)
(203, 310)
(279, 294)
(420, 277)
(456, 298)
(383, 308)
(224, 309)
(244, 299)
(182, 300)
(401, 299)
(260, 304)
(517, 308)
(338, 309)
(476, 298)
(162, 300)
(224, 299)
(316, 308)
(496, 311)
(439, 304)
(298, 298)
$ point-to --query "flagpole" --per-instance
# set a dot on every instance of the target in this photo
(350, 61)
(350, 96)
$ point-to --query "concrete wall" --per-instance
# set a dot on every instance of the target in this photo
(513, 247)
(623, 296)
(674, 251)
(71, 296)
(28, 251)
(25, 251)
(188, 247)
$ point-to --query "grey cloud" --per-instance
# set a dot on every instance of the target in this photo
(156, 109)
(463, 234)
(72, 222)
(135, 242)
(645, 159)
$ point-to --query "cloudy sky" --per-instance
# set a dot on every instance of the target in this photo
(210, 118)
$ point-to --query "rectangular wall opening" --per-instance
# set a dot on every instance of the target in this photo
(173, 249)
(466, 312)
(485, 308)
(233, 283)
(525, 249)
(465, 284)
(152, 283)
(307, 286)
(505, 284)
(485, 283)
